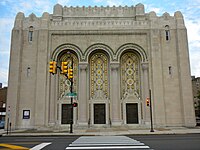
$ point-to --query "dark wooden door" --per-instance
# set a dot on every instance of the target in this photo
(99, 114)
(66, 114)
(132, 113)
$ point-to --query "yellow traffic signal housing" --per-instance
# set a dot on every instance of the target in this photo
(64, 67)
(52, 67)
(70, 73)
(148, 101)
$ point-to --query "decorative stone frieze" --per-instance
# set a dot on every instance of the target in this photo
(100, 23)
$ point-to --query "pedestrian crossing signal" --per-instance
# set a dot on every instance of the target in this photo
(75, 104)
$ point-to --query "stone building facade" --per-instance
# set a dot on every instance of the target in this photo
(118, 53)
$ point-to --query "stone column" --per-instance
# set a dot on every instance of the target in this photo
(115, 95)
(52, 100)
(82, 95)
(146, 113)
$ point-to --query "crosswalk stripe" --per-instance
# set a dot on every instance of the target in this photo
(40, 146)
(111, 147)
(120, 144)
(106, 142)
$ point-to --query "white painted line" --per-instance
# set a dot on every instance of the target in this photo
(99, 144)
(110, 147)
(40, 146)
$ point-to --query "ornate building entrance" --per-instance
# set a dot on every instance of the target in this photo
(99, 88)
(132, 113)
(64, 106)
(130, 87)
(99, 114)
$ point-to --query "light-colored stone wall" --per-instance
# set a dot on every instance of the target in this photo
(164, 63)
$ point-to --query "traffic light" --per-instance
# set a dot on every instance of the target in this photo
(148, 102)
(70, 73)
(52, 67)
(64, 67)
(75, 104)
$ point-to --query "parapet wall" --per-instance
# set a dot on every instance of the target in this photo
(98, 11)
(100, 17)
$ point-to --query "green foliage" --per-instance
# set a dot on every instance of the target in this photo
(197, 107)
(198, 96)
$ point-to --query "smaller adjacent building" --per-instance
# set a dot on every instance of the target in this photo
(3, 97)
(196, 93)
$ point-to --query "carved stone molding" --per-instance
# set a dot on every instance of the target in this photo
(101, 23)
(145, 65)
(83, 66)
(114, 66)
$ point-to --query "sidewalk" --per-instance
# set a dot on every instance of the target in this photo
(103, 131)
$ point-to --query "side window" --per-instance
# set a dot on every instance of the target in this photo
(30, 34)
(170, 70)
(28, 72)
(167, 33)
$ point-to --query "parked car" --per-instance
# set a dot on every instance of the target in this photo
(2, 124)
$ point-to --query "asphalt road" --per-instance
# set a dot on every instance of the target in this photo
(156, 142)
(171, 142)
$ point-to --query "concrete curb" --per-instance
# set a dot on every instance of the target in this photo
(102, 132)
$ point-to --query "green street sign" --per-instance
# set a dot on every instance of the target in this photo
(73, 94)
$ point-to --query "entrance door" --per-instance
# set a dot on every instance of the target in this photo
(99, 114)
(66, 114)
(132, 113)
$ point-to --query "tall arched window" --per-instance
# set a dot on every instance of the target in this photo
(30, 34)
(167, 33)
(99, 76)
(130, 74)
(64, 83)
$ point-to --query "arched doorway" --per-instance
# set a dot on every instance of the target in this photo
(130, 87)
(99, 88)
(64, 102)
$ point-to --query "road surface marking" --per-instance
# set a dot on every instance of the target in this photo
(40, 146)
(94, 144)
(110, 147)
(14, 147)
(106, 142)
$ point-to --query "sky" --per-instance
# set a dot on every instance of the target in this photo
(9, 8)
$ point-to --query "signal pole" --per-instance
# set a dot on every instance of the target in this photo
(68, 72)
(151, 111)
(71, 91)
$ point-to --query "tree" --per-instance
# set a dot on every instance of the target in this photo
(197, 107)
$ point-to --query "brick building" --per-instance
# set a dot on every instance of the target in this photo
(3, 99)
